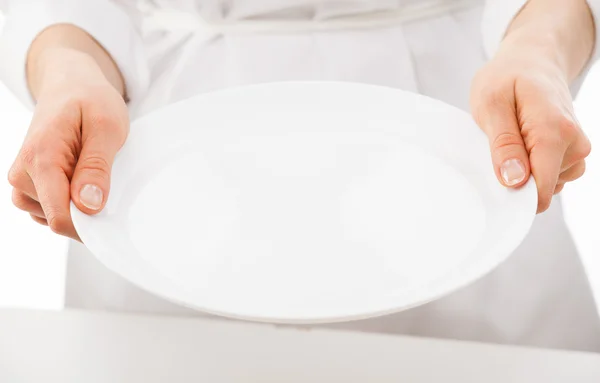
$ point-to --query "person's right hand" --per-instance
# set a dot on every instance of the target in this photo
(79, 124)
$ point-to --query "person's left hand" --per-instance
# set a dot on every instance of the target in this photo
(521, 100)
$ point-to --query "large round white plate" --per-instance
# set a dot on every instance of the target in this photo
(306, 203)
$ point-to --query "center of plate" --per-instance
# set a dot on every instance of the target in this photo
(305, 219)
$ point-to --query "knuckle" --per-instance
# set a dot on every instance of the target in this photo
(34, 156)
(14, 177)
(18, 200)
(550, 141)
(28, 154)
(96, 165)
(505, 140)
(552, 132)
(43, 164)
(568, 128)
(58, 223)
(583, 149)
(38, 157)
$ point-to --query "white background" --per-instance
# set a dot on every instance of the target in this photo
(32, 259)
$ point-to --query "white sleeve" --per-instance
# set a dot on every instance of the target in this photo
(497, 17)
(108, 23)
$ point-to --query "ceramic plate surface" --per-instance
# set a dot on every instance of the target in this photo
(306, 203)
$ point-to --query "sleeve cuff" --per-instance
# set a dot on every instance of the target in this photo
(106, 22)
(497, 17)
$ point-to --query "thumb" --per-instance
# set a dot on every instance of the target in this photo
(509, 154)
(90, 184)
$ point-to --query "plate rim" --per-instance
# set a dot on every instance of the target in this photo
(80, 220)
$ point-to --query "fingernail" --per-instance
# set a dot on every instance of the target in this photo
(513, 172)
(91, 197)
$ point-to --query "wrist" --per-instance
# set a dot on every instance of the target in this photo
(528, 45)
(561, 31)
(59, 66)
(65, 54)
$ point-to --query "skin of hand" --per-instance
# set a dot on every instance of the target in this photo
(79, 124)
(521, 98)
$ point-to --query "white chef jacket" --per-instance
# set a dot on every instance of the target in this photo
(169, 50)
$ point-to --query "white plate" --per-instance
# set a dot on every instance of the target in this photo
(306, 203)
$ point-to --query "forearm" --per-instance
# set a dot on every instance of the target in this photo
(563, 29)
(63, 52)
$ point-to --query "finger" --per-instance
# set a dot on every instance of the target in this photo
(572, 173)
(497, 117)
(580, 148)
(19, 179)
(558, 188)
(41, 221)
(52, 187)
(26, 203)
(101, 140)
(546, 159)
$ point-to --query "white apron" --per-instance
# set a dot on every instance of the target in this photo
(539, 297)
